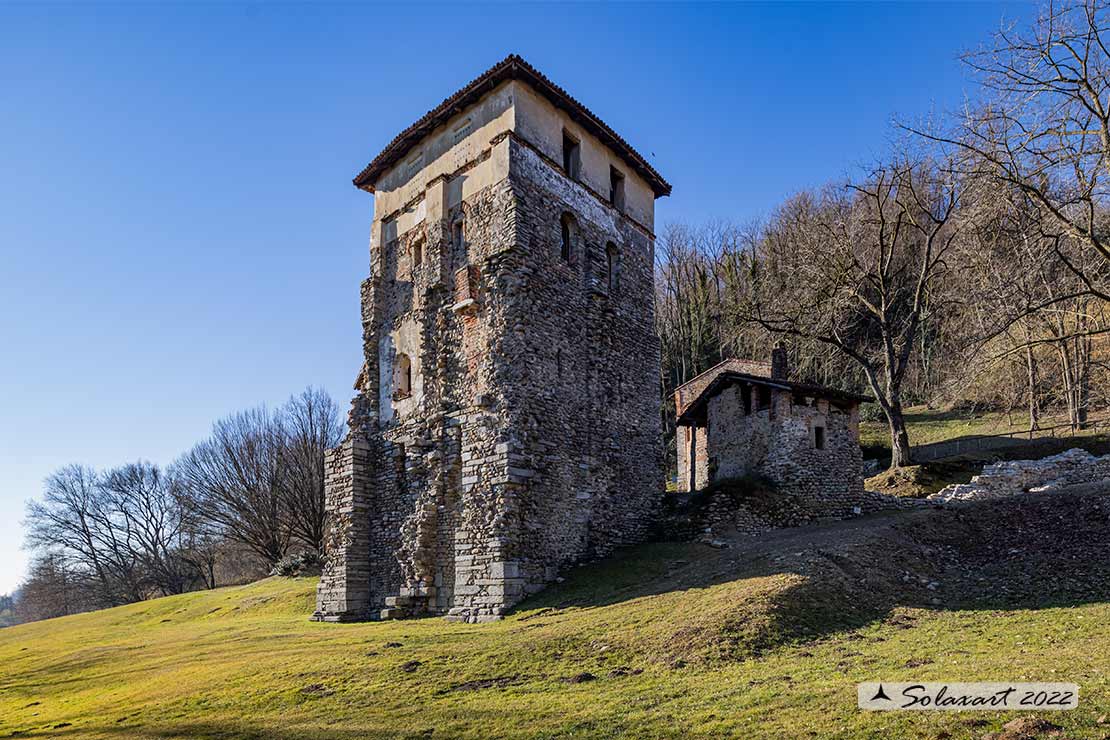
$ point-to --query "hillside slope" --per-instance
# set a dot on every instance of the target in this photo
(765, 639)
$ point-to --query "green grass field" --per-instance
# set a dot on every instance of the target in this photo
(681, 640)
(926, 425)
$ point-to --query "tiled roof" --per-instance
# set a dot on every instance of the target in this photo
(694, 408)
(511, 67)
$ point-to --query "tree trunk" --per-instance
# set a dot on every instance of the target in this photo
(1031, 376)
(900, 454)
(1069, 384)
(1082, 379)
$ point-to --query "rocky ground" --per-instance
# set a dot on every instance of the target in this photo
(1030, 551)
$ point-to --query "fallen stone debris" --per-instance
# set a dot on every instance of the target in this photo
(1015, 477)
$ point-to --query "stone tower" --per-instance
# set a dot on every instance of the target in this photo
(507, 421)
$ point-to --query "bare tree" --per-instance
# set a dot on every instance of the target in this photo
(1044, 127)
(860, 270)
(312, 425)
(51, 590)
(233, 481)
(73, 519)
(147, 503)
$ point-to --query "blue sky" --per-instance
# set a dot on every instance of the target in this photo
(179, 237)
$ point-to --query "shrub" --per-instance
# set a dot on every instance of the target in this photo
(306, 563)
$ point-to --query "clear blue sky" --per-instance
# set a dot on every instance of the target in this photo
(179, 237)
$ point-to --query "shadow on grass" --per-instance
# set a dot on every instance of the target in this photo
(1029, 552)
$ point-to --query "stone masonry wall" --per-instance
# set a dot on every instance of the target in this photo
(529, 438)
(583, 392)
(684, 395)
(779, 442)
(344, 589)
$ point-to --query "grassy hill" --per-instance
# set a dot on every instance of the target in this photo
(765, 639)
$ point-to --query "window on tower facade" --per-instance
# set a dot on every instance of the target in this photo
(616, 188)
(402, 377)
(567, 228)
(571, 156)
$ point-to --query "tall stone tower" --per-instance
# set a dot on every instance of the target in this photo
(507, 421)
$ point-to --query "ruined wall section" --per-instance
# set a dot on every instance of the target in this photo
(580, 375)
(526, 437)
(448, 513)
(343, 593)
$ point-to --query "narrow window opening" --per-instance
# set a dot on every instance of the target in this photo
(612, 266)
(566, 235)
(417, 253)
(402, 377)
(571, 155)
(819, 437)
(458, 240)
(764, 397)
(616, 188)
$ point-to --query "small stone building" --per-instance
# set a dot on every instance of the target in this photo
(743, 417)
(507, 420)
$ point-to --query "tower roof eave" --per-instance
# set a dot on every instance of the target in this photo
(512, 67)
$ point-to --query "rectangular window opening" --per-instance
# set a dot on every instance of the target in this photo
(616, 188)
(819, 437)
(571, 156)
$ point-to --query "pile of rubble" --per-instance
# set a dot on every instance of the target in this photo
(1014, 477)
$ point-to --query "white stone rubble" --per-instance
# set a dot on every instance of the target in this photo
(1014, 477)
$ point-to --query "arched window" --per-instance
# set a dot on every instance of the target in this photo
(402, 377)
(612, 266)
(566, 231)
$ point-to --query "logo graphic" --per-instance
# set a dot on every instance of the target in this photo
(880, 694)
(943, 696)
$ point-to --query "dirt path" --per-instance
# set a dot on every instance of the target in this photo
(824, 534)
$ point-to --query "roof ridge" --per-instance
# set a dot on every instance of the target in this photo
(719, 364)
